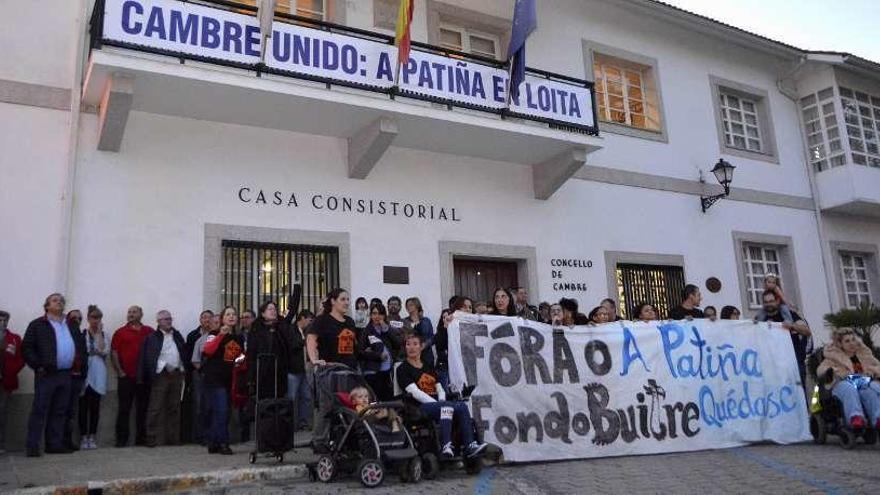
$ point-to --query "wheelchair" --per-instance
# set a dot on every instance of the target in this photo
(425, 434)
(826, 412)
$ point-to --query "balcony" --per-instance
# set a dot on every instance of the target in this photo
(850, 190)
(202, 60)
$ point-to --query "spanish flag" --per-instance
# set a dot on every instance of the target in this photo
(402, 37)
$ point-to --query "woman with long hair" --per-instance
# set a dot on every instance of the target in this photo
(376, 359)
(502, 302)
(221, 349)
(270, 336)
(97, 349)
(417, 322)
(361, 312)
(853, 371)
(331, 338)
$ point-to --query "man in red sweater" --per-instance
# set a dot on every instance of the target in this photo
(126, 346)
(11, 362)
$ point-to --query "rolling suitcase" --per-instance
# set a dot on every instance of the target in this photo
(274, 420)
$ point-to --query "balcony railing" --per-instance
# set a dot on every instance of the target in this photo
(283, 15)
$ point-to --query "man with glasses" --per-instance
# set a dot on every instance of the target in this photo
(797, 327)
(161, 368)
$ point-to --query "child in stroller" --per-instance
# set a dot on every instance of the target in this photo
(361, 436)
(360, 399)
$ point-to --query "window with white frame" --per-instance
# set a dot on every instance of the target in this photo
(758, 261)
(861, 114)
(822, 130)
(856, 288)
(625, 93)
(315, 9)
(739, 116)
(471, 41)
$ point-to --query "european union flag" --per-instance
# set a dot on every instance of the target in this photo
(525, 20)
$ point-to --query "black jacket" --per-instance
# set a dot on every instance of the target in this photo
(150, 351)
(297, 351)
(262, 340)
(39, 348)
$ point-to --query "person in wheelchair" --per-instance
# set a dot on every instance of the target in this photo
(851, 372)
(420, 382)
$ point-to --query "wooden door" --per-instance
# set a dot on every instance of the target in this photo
(478, 278)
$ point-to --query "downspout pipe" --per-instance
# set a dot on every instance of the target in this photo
(824, 247)
(68, 193)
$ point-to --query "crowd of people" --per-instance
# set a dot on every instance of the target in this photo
(183, 388)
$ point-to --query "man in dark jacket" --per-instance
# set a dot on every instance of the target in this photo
(192, 417)
(161, 367)
(50, 349)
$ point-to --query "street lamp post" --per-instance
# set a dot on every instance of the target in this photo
(723, 172)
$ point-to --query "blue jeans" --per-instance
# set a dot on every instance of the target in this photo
(460, 413)
(298, 391)
(51, 399)
(217, 409)
(858, 402)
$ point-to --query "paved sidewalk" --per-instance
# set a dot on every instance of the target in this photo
(141, 469)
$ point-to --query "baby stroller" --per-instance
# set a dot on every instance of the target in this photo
(354, 442)
(426, 435)
(826, 412)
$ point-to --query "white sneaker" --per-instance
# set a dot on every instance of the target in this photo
(475, 448)
(447, 450)
(84, 444)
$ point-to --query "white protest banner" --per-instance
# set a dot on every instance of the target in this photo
(627, 388)
(176, 27)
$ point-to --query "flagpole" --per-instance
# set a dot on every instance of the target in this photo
(509, 81)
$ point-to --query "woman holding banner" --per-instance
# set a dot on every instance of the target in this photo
(645, 312)
(853, 371)
(502, 303)
(421, 383)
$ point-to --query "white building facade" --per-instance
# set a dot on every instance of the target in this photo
(133, 176)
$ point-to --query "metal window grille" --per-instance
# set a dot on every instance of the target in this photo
(758, 261)
(662, 286)
(256, 272)
(855, 279)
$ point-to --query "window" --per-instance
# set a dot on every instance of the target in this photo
(739, 117)
(856, 288)
(256, 272)
(742, 116)
(821, 128)
(468, 41)
(758, 261)
(315, 9)
(660, 285)
(861, 115)
(624, 93)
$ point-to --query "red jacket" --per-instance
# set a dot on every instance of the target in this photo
(12, 361)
